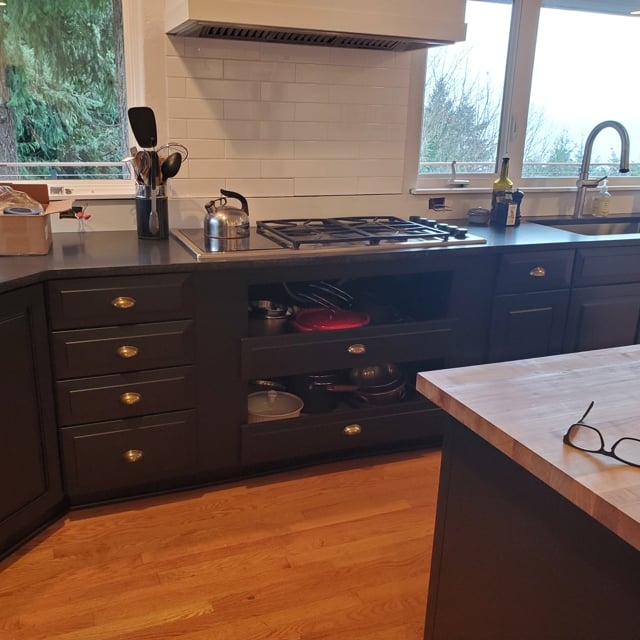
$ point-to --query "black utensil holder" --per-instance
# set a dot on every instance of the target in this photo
(144, 203)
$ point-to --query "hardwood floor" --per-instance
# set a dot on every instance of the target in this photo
(338, 551)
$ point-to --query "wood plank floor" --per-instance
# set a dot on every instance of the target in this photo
(338, 551)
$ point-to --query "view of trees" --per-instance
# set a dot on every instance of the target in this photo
(62, 95)
(461, 121)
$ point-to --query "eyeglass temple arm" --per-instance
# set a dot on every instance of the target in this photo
(586, 413)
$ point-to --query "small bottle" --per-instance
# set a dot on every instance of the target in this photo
(602, 201)
(501, 187)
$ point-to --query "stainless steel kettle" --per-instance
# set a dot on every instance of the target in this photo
(224, 220)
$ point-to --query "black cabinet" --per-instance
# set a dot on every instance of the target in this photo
(528, 325)
(530, 310)
(605, 299)
(126, 384)
(602, 317)
(30, 484)
(431, 315)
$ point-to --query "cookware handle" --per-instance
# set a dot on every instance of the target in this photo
(233, 194)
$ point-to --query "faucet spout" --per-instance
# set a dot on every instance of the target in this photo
(584, 182)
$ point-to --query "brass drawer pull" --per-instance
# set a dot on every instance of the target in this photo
(352, 430)
(130, 397)
(538, 272)
(356, 349)
(133, 455)
(123, 302)
(127, 351)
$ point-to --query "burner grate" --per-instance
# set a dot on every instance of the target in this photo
(367, 230)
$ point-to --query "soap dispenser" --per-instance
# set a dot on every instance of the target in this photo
(602, 201)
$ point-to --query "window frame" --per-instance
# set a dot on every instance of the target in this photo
(515, 111)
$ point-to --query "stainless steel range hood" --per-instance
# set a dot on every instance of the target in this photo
(364, 24)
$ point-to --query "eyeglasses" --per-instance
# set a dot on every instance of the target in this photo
(587, 438)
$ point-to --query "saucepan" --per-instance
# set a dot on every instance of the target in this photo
(376, 384)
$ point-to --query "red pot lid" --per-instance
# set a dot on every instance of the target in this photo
(327, 319)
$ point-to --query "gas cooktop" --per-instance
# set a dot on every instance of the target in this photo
(340, 234)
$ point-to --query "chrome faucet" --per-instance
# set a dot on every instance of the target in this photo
(584, 182)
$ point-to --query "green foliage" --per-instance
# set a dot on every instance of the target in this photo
(58, 67)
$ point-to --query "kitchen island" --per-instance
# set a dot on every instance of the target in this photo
(535, 539)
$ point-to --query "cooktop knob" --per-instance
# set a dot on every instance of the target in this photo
(461, 233)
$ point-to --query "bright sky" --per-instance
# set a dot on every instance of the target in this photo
(585, 68)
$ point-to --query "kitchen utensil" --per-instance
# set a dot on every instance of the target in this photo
(171, 165)
(317, 390)
(224, 220)
(270, 405)
(143, 125)
(322, 319)
(319, 293)
(375, 375)
(267, 317)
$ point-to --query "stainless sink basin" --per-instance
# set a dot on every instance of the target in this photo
(590, 227)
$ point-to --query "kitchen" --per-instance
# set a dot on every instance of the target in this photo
(200, 189)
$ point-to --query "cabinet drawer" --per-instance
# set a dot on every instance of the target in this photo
(123, 454)
(93, 302)
(265, 442)
(539, 271)
(293, 354)
(124, 395)
(86, 352)
(607, 266)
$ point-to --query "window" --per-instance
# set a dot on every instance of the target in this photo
(62, 95)
(532, 80)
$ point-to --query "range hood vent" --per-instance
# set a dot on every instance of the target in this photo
(318, 39)
(383, 25)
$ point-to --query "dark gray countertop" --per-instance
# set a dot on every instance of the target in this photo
(118, 252)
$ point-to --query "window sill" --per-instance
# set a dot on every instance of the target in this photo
(419, 191)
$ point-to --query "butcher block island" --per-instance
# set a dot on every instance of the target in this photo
(534, 538)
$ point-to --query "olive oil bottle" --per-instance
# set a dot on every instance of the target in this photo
(501, 187)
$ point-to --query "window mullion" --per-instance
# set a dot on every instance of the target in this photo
(517, 86)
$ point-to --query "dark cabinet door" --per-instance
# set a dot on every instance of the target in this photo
(527, 325)
(602, 317)
(30, 485)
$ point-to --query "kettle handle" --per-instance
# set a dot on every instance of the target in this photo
(233, 194)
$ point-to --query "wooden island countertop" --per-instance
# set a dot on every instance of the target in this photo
(523, 408)
(535, 539)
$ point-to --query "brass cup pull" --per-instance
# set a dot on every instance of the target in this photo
(538, 272)
(352, 430)
(356, 349)
(133, 455)
(130, 397)
(127, 351)
(123, 302)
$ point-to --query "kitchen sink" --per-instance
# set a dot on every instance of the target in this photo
(591, 227)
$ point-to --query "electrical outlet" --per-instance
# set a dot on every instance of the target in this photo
(437, 204)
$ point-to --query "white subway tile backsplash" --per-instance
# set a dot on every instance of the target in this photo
(222, 89)
(330, 149)
(381, 184)
(325, 186)
(256, 110)
(195, 109)
(224, 168)
(271, 120)
(259, 149)
(257, 70)
(295, 168)
(257, 187)
(289, 92)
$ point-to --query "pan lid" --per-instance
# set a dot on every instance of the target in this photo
(329, 319)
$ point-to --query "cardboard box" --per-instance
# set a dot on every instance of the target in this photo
(29, 235)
